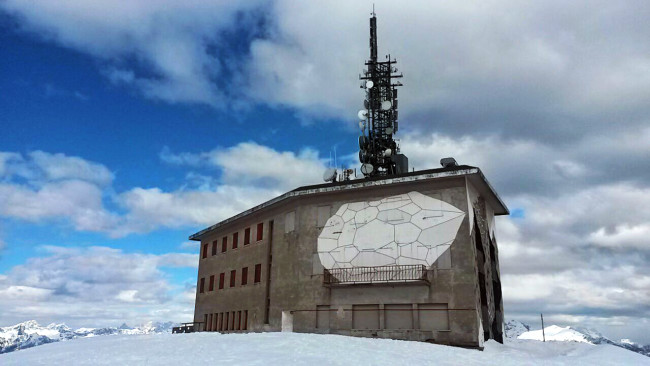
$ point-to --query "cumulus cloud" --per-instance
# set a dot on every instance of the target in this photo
(44, 186)
(94, 286)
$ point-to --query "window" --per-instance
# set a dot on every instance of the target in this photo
(202, 285)
(224, 244)
(226, 321)
(232, 321)
(214, 247)
(244, 276)
(239, 320)
(211, 288)
(233, 274)
(235, 240)
(205, 250)
(222, 277)
(260, 231)
(209, 325)
(258, 273)
(247, 236)
(245, 320)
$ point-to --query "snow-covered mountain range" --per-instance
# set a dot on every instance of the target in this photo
(30, 333)
(518, 330)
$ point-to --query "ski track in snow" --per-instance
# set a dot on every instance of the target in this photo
(309, 349)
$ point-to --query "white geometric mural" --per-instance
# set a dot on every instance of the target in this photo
(406, 229)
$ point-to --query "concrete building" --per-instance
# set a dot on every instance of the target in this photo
(412, 256)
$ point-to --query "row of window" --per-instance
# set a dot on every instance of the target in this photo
(229, 320)
(233, 278)
(235, 241)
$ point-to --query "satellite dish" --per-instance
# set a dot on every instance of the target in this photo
(363, 156)
(369, 84)
(367, 169)
(363, 114)
(389, 130)
(386, 105)
(329, 175)
(388, 152)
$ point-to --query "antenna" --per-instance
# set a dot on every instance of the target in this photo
(379, 153)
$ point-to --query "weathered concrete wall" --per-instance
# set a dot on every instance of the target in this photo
(296, 277)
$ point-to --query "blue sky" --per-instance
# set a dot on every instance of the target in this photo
(124, 129)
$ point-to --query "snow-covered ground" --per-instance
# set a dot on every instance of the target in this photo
(309, 349)
(30, 333)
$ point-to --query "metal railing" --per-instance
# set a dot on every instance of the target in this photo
(188, 327)
(378, 274)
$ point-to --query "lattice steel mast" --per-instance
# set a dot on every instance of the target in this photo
(378, 151)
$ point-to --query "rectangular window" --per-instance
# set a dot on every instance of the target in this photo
(232, 321)
(224, 244)
(209, 325)
(258, 273)
(211, 288)
(244, 276)
(239, 320)
(202, 285)
(214, 247)
(220, 323)
(205, 250)
(260, 231)
(233, 274)
(245, 320)
(214, 323)
(226, 322)
(235, 240)
(247, 236)
(205, 322)
(222, 278)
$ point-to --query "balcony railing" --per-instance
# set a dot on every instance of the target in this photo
(379, 274)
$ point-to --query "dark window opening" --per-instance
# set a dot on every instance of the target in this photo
(232, 321)
(209, 325)
(226, 321)
(247, 236)
(245, 320)
(244, 275)
(222, 278)
(224, 244)
(211, 288)
(205, 250)
(214, 247)
(202, 285)
(239, 320)
(233, 274)
(258, 273)
(205, 322)
(260, 231)
(235, 240)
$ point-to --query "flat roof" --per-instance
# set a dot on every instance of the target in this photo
(473, 173)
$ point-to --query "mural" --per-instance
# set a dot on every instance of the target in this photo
(406, 229)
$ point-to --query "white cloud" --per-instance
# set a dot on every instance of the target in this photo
(623, 236)
(94, 286)
(173, 41)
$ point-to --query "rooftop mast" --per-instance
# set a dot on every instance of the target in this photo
(378, 151)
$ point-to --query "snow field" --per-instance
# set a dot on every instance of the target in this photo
(308, 349)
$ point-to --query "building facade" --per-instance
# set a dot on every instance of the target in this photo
(410, 257)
